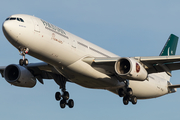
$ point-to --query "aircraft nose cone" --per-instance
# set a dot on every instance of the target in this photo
(6, 28)
(9, 30)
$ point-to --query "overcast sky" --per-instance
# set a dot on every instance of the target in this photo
(126, 28)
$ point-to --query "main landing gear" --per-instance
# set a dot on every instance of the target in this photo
(64, 99)
(127, 95)
(23, 52)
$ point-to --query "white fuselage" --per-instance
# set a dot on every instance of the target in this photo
(65, 52)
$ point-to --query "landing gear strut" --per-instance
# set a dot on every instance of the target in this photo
(23, 52)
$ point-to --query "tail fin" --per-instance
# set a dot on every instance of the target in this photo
(169, 49)
(170, 46)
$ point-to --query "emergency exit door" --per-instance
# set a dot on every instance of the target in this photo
(36, 25)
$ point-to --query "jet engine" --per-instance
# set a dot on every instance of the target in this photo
(129, 68)
(19, 76)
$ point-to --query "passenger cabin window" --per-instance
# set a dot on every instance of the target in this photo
(13, 18)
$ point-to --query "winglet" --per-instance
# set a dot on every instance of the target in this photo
(170, 46)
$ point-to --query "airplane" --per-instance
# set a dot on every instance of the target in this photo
(68, 58)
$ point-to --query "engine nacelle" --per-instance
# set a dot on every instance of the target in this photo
(19, 76)
(129, 68)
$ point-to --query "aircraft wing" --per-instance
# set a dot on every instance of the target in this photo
(40, 71)
(160, 63)
(152, 64)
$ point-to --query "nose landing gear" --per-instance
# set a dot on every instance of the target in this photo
(23, 62)
(23, 52)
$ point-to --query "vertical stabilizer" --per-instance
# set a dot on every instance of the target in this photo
(169, 49)
(170, 46)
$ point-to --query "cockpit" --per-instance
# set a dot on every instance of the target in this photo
(14, 18)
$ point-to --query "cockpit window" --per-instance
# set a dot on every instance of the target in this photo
(13, 18)
(21, 20)
(18, 19)
(7, 18)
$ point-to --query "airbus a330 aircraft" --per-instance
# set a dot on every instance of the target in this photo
(68, 58)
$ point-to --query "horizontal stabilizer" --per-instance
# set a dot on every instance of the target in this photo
(174, 86)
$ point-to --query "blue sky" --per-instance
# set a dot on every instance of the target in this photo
(126, 28)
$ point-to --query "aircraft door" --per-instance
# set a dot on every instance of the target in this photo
(74, 43)
(36, 25)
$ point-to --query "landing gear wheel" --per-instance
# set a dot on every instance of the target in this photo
(134, 100)
(64, 99)
(25, 62)
(126, 100)
(121, 92)
(58, 96)
(71, 103)
(66, 95)
(129, 92)
(21, 62)
(63, 103)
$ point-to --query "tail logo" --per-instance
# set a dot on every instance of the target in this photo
(169, 52)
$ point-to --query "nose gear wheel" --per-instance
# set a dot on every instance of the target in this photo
(23, 62)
